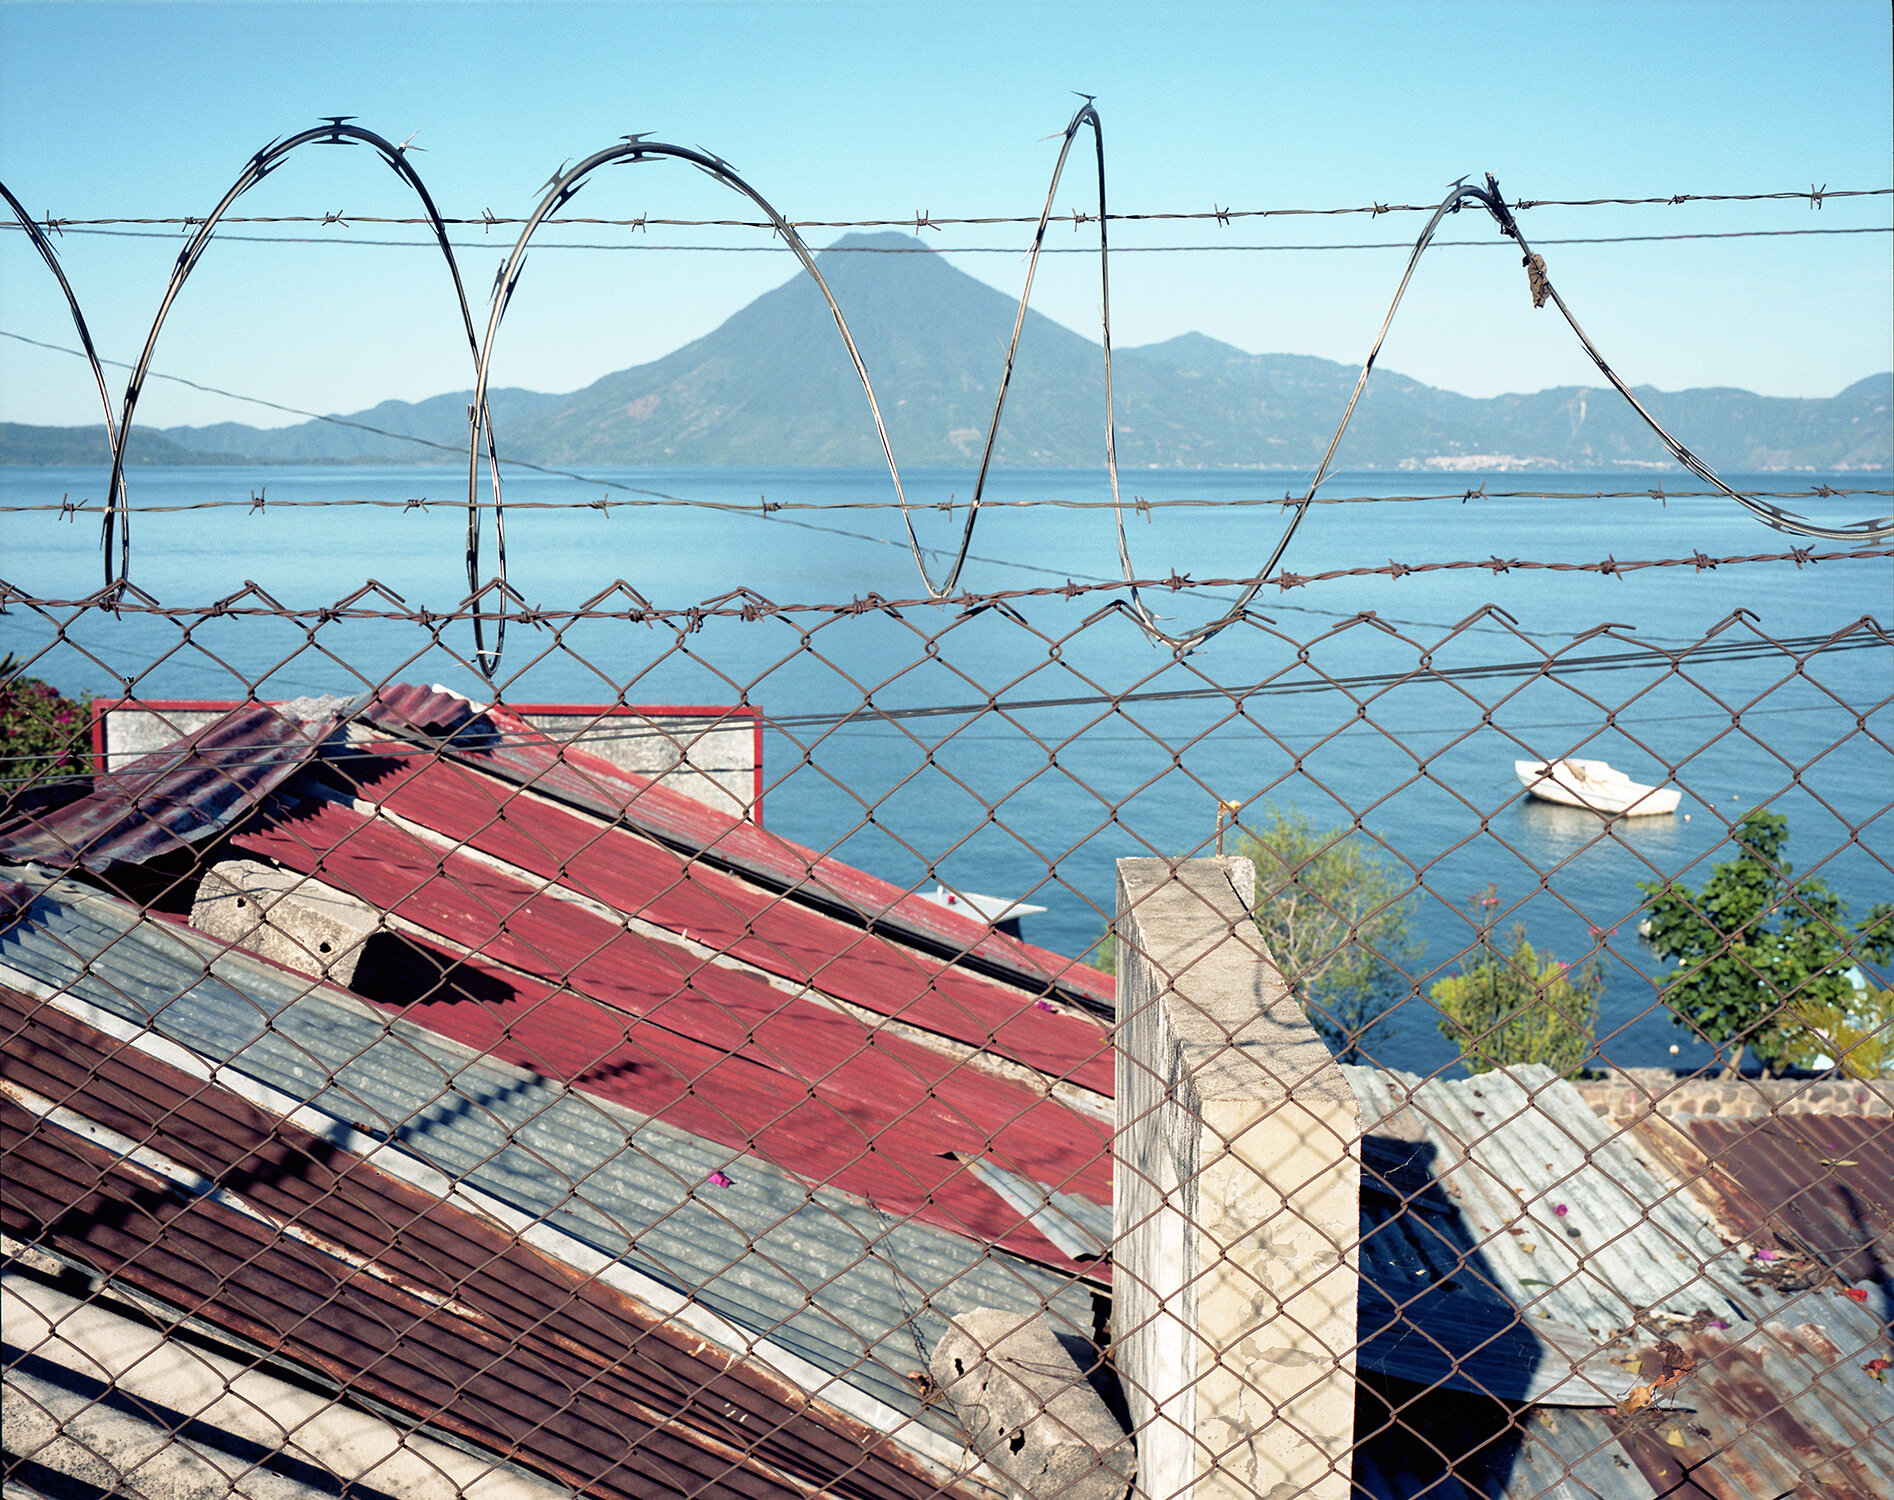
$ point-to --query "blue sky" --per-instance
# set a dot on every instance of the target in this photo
(871, 111)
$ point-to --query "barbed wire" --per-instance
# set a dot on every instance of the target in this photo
(748, 605)
(258, 504)
(656, 728)
(564, 183)
(918, 220)
(775, 249)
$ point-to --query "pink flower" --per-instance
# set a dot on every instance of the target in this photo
(1047, 1005)
(1765, 1255)
(1561, 1210)
(717, 1179)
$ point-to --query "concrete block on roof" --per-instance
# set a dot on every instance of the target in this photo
(1028, 1409)
(300, 923)
(710, 759)
(1237, 1189)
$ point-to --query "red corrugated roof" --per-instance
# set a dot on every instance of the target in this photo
(714, 1050)
(731, 1032)
(521, 754)
(660, 885)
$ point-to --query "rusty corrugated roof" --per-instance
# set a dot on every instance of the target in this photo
(176, 796)
(1786, 1409)
(594, 1389)
(816, 1283)
(1821, 1185)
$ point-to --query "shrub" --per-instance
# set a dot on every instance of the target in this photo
(42, 732)
(1336, 918)
(1520, 1006)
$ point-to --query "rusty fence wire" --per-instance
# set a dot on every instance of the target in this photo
(945, 1048)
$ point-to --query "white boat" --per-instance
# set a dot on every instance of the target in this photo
(1593, 784)
(996, 911)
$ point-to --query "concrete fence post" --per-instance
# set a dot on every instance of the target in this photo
(1237, 1190)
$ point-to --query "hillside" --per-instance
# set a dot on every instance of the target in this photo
(772, 386)
(48, 447)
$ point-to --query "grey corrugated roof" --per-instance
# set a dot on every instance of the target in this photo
(1509, 1151)
(810, 1269)
(1779, 1402)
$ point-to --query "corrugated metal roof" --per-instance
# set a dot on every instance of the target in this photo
(1449, 1444)
(177, 796)
(181, 794)
(1782, 1410)
(654, 883)
(445, 1281)
(1822, 1185)
(1568, 1223)
(507, 746)
(809, 1270)
(637, 1189)
(719, 1051)
(1778, 1403)
(1506, 1238)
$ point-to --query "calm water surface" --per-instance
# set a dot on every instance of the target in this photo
(1038, 802)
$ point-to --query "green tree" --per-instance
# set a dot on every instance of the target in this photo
(42, 732)
(1336, 918)
(1519, 1006)
(1764, 958)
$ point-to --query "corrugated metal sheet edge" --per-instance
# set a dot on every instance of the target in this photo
(122, 821)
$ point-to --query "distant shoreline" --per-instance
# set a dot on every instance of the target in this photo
(1419, 471)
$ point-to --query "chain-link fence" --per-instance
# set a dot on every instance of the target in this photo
(900, 1049)
(1005, 1042)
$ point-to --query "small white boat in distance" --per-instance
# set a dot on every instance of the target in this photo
(996, 911)
(1593, 784)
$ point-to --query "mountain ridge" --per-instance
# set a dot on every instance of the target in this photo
(772, 386)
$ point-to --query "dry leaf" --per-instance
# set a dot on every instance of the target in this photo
(1635, 1399)
(1677, 1364)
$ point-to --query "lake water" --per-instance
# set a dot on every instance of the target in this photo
(1037, 802)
